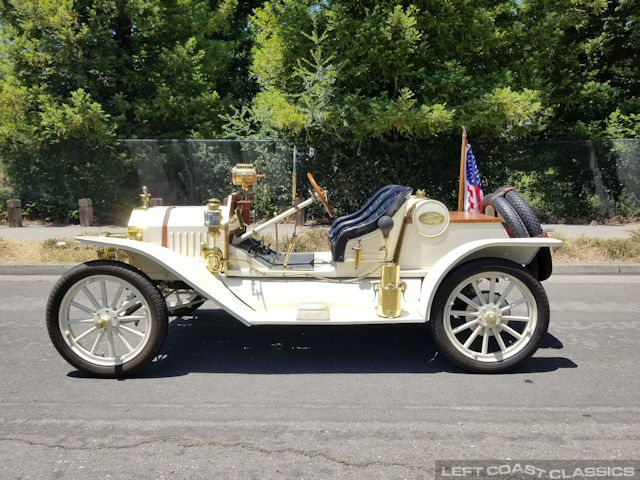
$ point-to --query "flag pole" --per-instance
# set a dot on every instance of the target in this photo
(461, 182)
(293, 177)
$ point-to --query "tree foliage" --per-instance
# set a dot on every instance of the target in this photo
(504, 68)
(584, 58)
(346, 76)
(381, 70)
(77, 74)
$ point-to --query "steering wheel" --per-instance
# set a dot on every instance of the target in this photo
(320, 193)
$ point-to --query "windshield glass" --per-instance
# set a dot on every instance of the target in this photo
(189, 172)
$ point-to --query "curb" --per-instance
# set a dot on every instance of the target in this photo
(558, 268)
(596, 268)
(35, 268)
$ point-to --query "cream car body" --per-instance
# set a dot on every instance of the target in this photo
(257, 294)
(402, 258)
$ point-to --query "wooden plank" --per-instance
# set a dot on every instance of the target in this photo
(85, 211)
(472, 217)
(14, 208)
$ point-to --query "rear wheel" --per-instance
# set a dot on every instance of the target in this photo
(489, 315)
(106, 318)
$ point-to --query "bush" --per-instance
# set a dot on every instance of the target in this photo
(563, 181)
(5, 195)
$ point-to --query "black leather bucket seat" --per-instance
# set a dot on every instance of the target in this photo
(386, 201)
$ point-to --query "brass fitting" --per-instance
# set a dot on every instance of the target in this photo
(213, 256)
(146, 197)
(107, 253)
(358, 250)
(134, 233)
(110, 253)
(389, 291)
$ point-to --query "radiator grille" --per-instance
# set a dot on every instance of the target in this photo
(185, 243)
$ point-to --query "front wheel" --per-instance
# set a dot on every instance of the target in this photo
(489, 315)
(106, 318)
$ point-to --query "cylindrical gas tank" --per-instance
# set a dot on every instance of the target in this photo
(430, 218)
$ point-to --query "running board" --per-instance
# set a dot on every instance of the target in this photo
(319, 314)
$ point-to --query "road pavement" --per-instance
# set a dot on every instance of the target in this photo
(227, 401)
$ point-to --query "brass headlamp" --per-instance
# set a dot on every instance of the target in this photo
(212, 218)
(245, 175)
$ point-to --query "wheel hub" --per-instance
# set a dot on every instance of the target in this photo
(490, 316)
(105, 318)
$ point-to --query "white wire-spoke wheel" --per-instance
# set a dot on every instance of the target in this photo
(106, 318)
(489, 315)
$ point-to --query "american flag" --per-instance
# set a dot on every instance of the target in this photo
(472, 186)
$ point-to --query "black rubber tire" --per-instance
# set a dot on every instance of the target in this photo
(511, 217)
(458, 275)
(541, 267)
(525, 212)
(157, 309)
(486, 200)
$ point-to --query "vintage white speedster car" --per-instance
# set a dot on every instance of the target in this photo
(402, 258)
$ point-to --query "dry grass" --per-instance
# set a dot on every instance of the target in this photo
(308, 240)
(52, 250)
(598, 250)
(573, 250)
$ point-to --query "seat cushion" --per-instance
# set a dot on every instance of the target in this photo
(338, 222)
(386, 203)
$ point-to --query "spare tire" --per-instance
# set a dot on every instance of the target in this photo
(522, 222)
(525, 212)
(487, 199)
(542, 264)
(511, 217)
(486, 202)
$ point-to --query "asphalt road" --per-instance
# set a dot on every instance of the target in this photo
(227, 401)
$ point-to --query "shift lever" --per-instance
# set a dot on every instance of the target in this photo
(385, 224)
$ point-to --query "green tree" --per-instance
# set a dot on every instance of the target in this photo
(77, 74)
(584, 57)
(379, 70)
